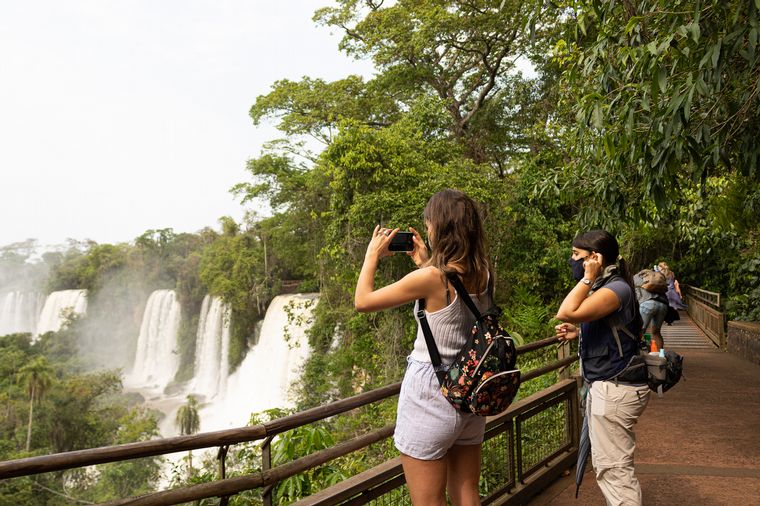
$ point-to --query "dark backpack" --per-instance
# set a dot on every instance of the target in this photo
(482, 379)
(659, 373)
(672, 315)
(663, 372)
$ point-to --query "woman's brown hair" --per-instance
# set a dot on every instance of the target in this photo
(458, 241)
(665, 270)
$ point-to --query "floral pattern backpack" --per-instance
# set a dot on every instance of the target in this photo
(482, 379)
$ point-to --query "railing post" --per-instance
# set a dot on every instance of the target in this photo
(222, 456)
(266, 464)
(563, 351)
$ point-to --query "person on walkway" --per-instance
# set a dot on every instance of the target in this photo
(650, 287)
(675, 299)
(603, 302)
(440, 446)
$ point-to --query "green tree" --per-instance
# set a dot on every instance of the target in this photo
(461, 53)
(659, 109)
(188, 422)
(665, 95)
(233, 267)
(37, 375)
(118, 480)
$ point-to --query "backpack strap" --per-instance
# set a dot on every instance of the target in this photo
(617, 335)
(614, 322)
(462, 292)
(435, 356)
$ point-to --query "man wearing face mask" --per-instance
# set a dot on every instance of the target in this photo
(603, 311)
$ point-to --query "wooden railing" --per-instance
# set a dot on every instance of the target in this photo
(526, 458)
(523, 465)
(704, 309)
(704, 296)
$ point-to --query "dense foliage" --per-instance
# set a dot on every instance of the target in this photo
(50, 405)
(664, 146)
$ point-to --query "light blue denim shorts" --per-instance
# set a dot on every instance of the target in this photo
(427, 426)
(653, 313)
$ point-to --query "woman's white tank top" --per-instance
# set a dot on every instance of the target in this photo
(450, 327)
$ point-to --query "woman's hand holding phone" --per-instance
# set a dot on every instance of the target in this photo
(420, 253)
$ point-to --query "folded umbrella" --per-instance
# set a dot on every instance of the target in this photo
(584, 448)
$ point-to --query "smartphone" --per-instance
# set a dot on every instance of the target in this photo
(402, 241)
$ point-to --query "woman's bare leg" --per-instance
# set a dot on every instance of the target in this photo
(464, 475)
(426, 480)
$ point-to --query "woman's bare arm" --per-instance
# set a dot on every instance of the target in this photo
(578, 306)
(418, 284)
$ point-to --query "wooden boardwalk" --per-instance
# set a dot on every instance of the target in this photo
(700, 443)
(684, 334)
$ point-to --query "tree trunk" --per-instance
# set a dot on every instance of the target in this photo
(31, 414)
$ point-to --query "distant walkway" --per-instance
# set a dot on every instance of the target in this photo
(684, 333)
(699, 444)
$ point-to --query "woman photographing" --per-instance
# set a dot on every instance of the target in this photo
(440, 446)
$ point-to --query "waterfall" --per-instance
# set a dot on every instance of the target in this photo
(156, 357)
(212, 349)
(264, 378)
(19, 312)
(51, 316)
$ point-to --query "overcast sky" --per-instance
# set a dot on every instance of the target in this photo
(118, 116)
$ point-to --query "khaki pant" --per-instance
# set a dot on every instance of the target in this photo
(613, 411)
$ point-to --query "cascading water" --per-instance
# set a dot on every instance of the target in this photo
(19, 312)
(212, 349)
(263, 379)
(157, 357)
(51, 316)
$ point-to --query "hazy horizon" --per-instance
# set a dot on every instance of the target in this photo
(119, 118)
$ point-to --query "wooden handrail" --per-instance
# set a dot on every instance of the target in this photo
(704, 308)
(705, 296)
(553, 366)
(536, 345)
(81, 458)
(238, 484)
(231, 486)
(91, 456)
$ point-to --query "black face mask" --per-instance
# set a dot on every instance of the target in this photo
(577, 267)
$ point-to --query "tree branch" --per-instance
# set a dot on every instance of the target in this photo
(60, 494)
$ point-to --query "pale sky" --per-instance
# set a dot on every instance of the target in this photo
(118, 116)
